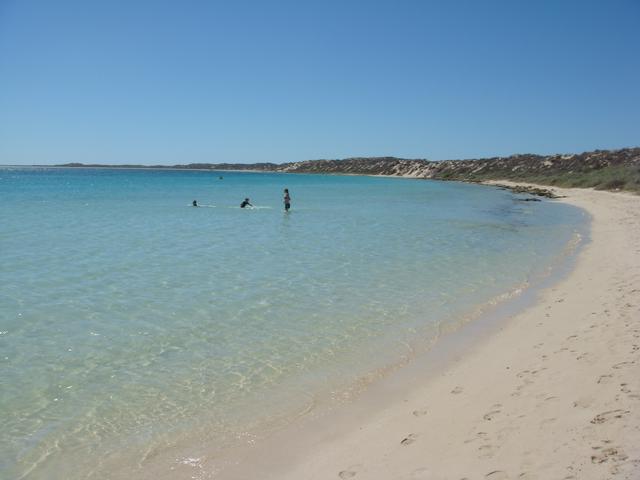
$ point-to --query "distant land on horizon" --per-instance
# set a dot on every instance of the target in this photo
(603, 169)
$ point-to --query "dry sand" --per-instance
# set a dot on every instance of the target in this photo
(554, 393)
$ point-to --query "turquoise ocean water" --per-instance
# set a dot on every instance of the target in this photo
(134, 326)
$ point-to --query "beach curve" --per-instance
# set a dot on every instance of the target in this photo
(554, 393)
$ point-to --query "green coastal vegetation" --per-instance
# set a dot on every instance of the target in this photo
(599, 169)
(621, 177)
(624, 175)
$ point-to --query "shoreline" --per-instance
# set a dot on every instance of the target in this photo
(545, 393)
(335, 404)
(408, 395)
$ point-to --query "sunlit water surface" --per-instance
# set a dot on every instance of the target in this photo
(132, 323)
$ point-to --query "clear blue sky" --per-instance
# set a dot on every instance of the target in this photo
(275, 81)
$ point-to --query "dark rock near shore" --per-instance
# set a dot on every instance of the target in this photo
(539, 192)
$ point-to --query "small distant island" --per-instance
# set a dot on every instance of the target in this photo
(600, 169)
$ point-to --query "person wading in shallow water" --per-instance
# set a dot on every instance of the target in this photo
(245, 203)
(287, 200)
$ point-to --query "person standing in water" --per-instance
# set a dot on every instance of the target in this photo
(287, 200)
(245, 203)
(195, 203)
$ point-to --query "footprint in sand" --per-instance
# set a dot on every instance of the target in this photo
(456, 390)
(409, 439)
(494, 411)
(620, 365)
(419, 413)
(497, 475)
(479, 436)
(486, 451)
(604, 378)
(610, 415)
(611, 453)
(347, 474)
(527, 476)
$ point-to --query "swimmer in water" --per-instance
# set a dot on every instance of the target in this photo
(287, 200)
(245, 203)
(195, 203)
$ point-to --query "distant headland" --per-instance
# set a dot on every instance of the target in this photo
(600, 169)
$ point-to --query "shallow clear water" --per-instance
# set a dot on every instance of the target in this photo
(131, 322)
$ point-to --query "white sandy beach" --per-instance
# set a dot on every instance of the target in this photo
(554, 393)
